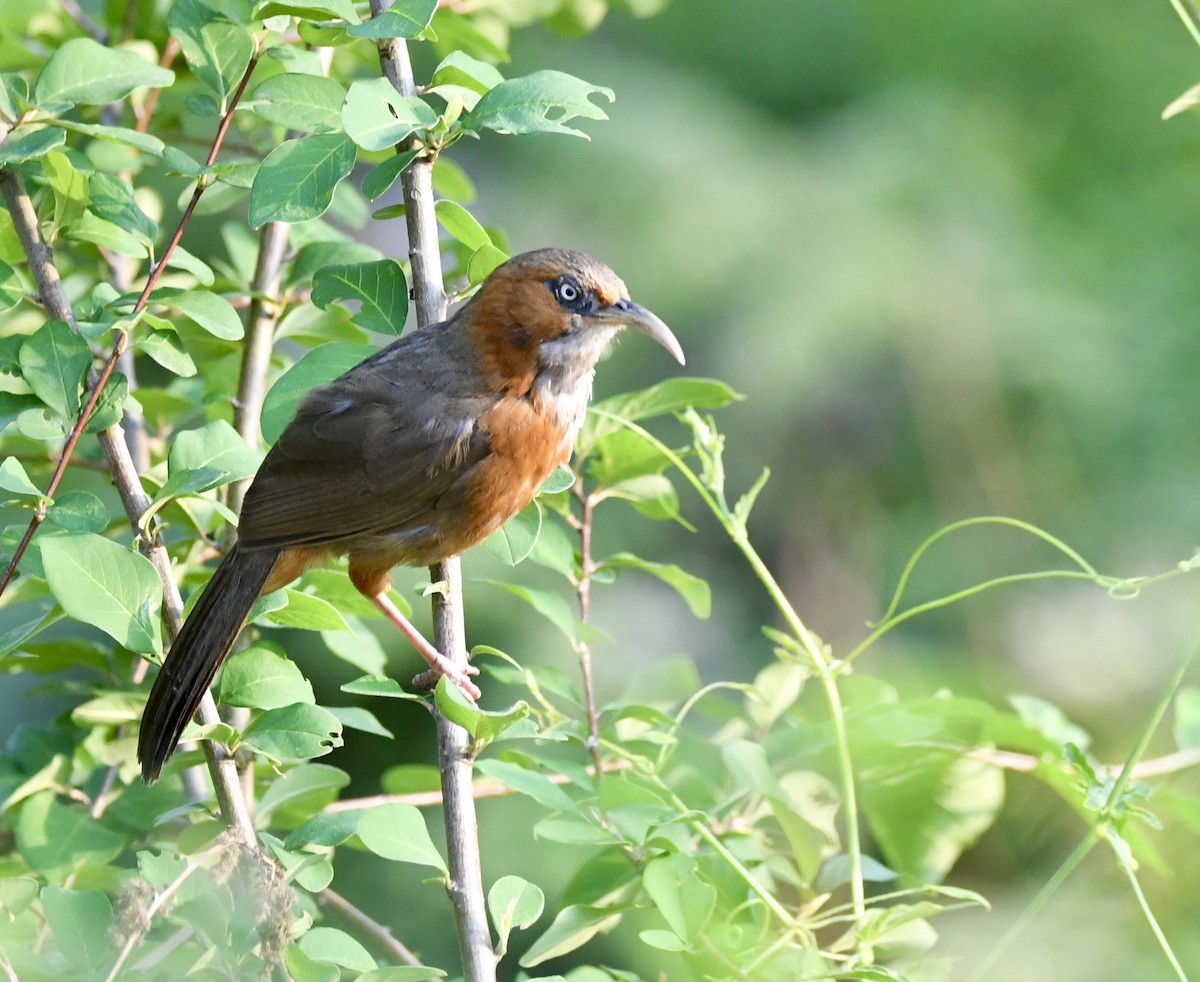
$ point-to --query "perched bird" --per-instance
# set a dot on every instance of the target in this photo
(414, 455)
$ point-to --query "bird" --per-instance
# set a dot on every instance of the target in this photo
(416, 454)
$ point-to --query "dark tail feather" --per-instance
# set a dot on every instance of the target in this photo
(195, 656)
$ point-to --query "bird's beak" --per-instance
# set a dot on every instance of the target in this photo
(630, 314)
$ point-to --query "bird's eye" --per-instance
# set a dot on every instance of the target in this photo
(570, 294)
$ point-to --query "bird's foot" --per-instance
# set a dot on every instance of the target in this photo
(461, 677)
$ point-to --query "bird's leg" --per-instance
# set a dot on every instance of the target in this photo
(374, 585)
(439, 664)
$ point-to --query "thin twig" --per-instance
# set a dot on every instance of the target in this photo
(583, 592)
(380, 933)
(465, 882)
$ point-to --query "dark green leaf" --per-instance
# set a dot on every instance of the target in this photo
(317, 10)
(542, 102)
(78, 511)
(108, 586)
(112, 199)
(537, 786)
(382, 176)
(300, 794)
(83, 72)
(403, 19)
(54, 361)
(80, 921)
(379, 287)
(260, 678)
(326, 829)
(305, 103)
(209, 310)
(217, 49)
(516, 538)
(374, 685)
(296, 732)
(29, 145)
(377, 117)
(117, 134)
(297, 180)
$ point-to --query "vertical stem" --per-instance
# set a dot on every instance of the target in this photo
(583, 592)
(465, 885)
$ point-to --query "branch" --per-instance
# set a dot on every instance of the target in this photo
(583, 592)
(380, 933)
(465, 884)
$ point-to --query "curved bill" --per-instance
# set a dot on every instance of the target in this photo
(634, 315)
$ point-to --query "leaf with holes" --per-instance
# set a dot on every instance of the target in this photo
(542, 102)
(376, 116)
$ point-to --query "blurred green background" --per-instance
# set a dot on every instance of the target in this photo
(949, 253)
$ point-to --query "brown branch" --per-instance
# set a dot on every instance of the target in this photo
(465, 881)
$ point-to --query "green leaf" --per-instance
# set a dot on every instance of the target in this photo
(574, 926)
(483, 263)
(653, 495)
(377, 117)
(363, 720)
(54, 360)
(326, 829)
(376, 685)
(84, 72)
(301, 968)
(297, 180)
(318, 367)
(108, 586)
(398, 832)
(459, 70)
(260, 678)
(12, 292)
(402, 973)
(684, 898)
(117, 134)
(166, 349)
(78, 511)
(308, 613)
(334, 947)
(217, 446)
(29, 145)
(513, 902)
(693, 589)
(309, 10)
(297, 732)
(208, 310)
(403, 19)
(379, 287)
(80, 921)
(669, 396)
(300, 794)
(305, 103)
(537, 786)
(13, 478)
(112, 199)
(1047, 719)
(461, 224)
(52, 835)
(516, 538)
(483, 727)
(542, 102)
(382, 176)
(217, 49)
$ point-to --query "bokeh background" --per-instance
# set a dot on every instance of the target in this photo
(949, 254)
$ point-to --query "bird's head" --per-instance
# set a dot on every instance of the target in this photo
(553, 311)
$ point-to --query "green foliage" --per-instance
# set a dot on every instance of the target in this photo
(800, 824)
